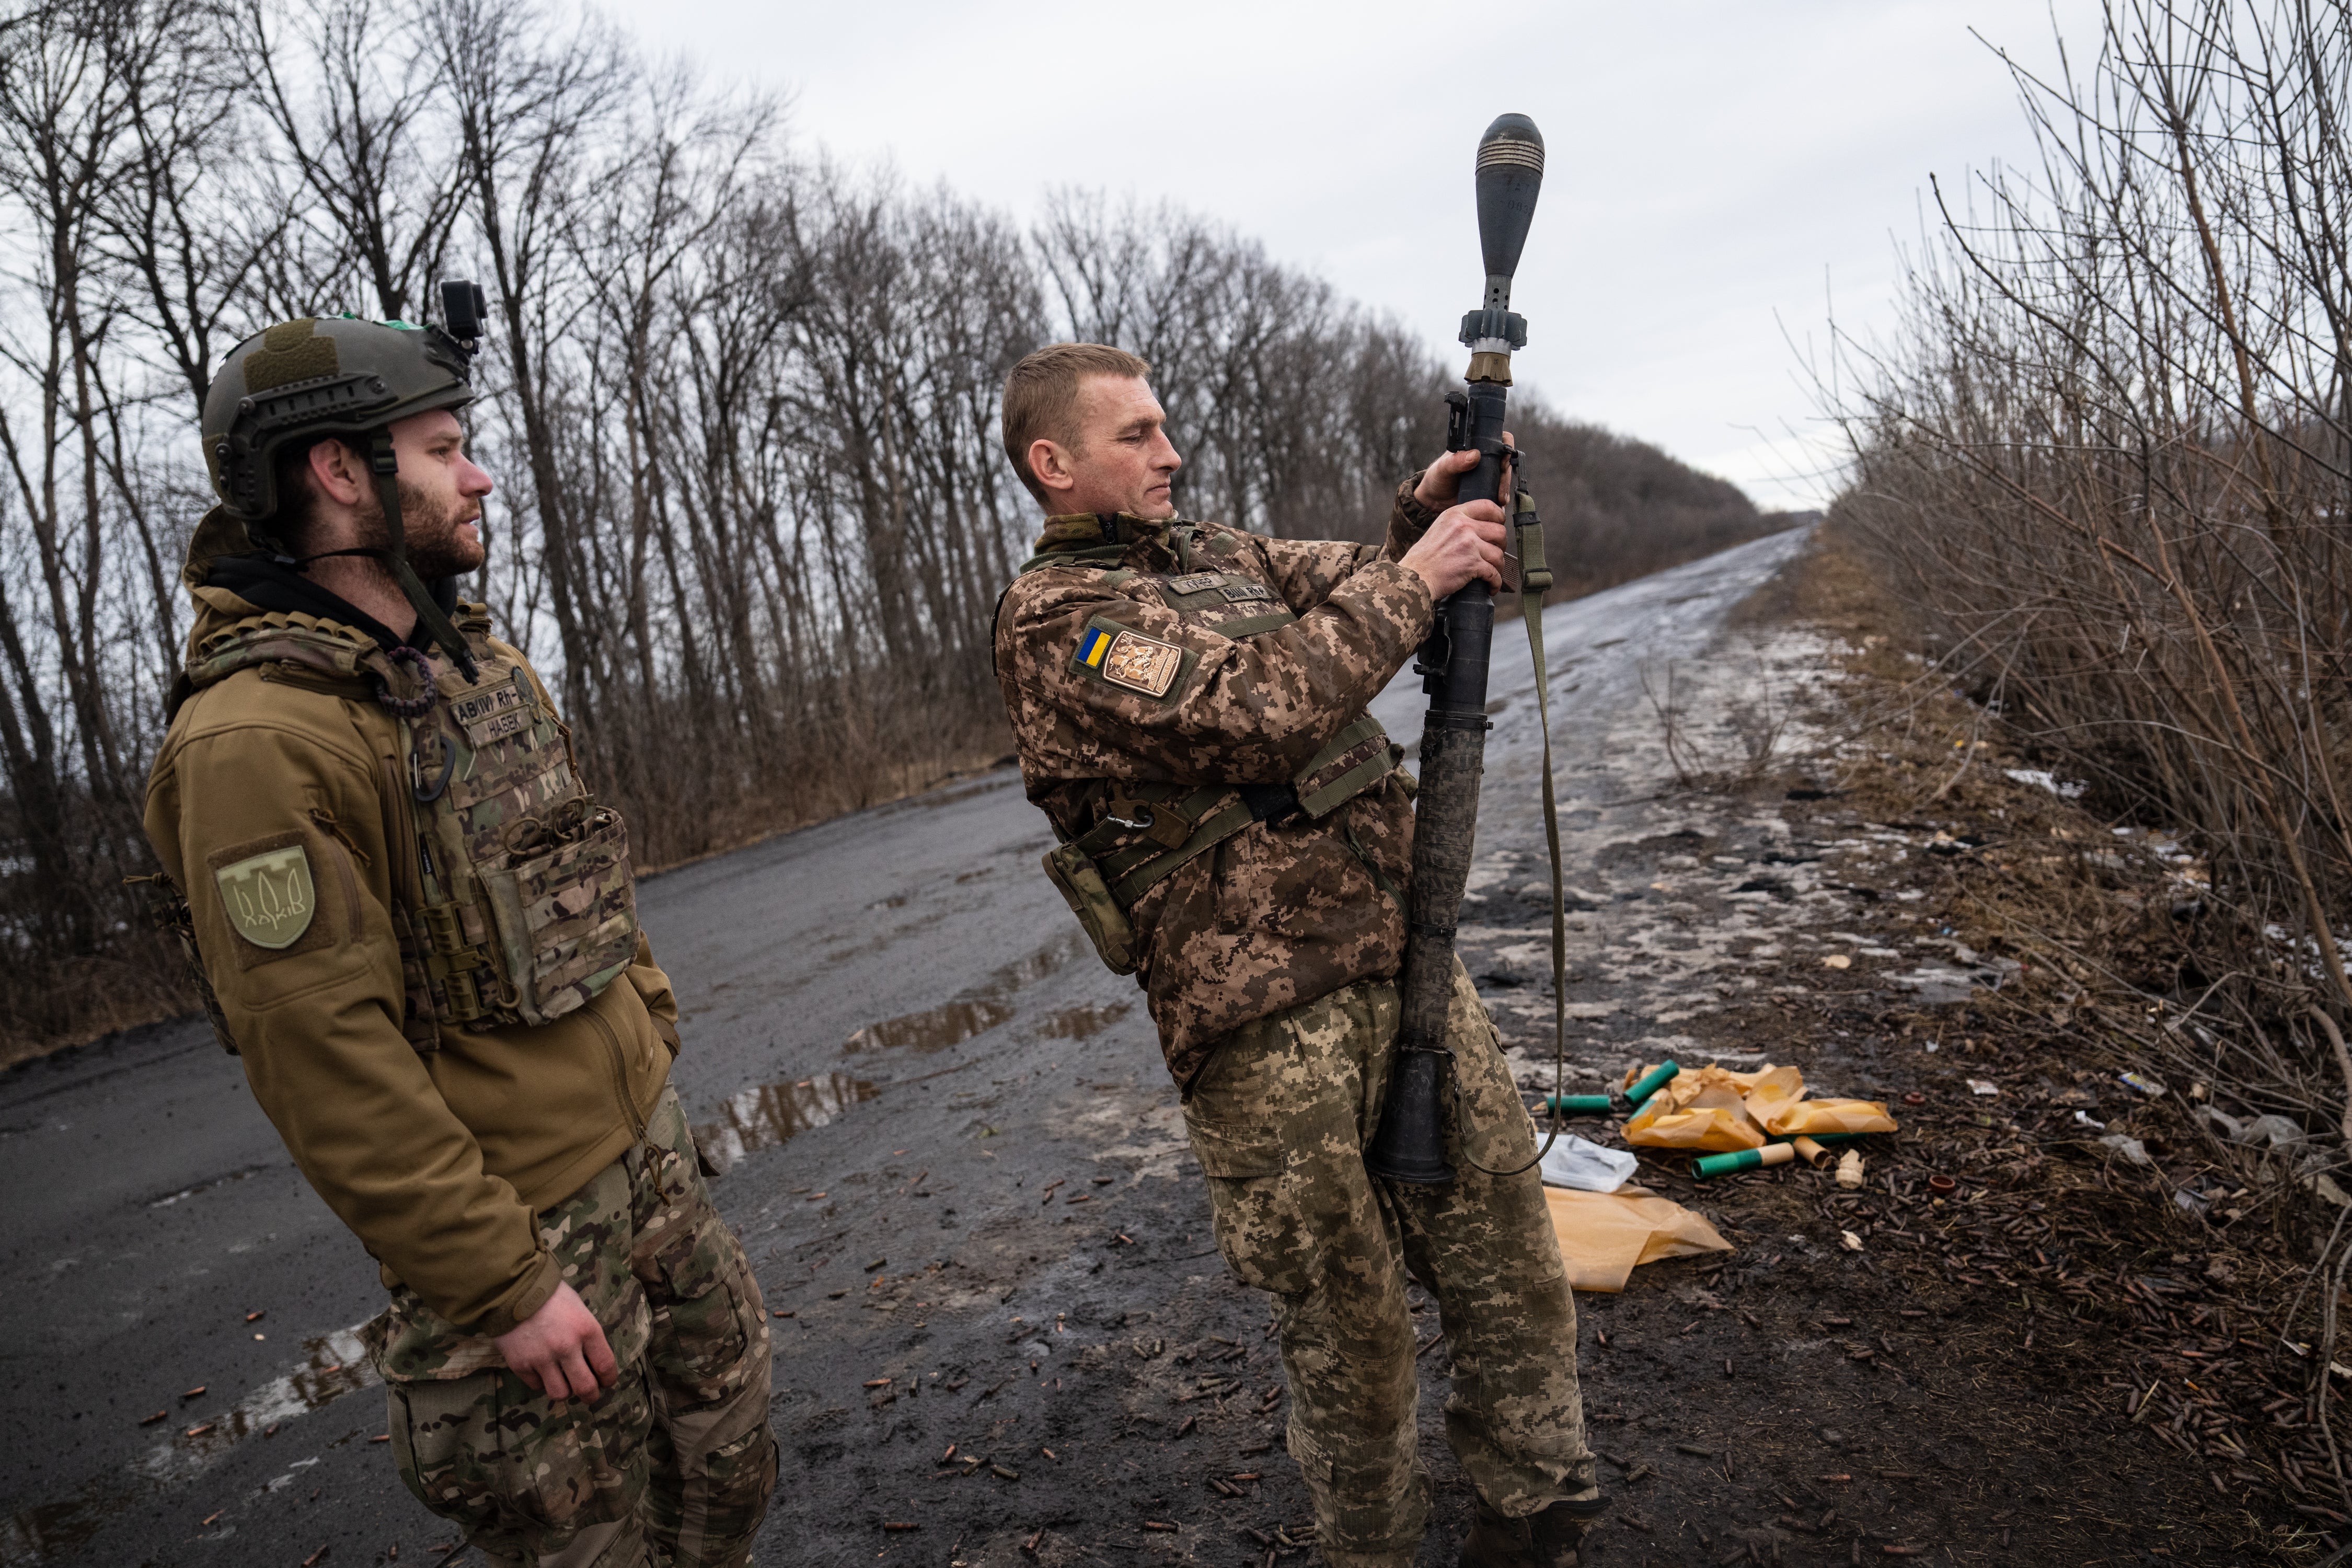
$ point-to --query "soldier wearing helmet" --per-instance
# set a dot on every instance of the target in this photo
(417, 929)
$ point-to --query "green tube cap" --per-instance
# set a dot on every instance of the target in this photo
(1743, 1160)
(1657, 1079)
(1728, 1164)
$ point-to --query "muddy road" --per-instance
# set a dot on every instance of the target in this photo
(1002, 1333)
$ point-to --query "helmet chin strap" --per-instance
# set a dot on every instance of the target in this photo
(385, 463)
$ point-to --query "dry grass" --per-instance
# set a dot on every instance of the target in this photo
(2194, 1305)
(2104, 464)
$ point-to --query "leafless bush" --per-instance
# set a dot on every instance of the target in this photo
(2109, 452)
(1722, 745)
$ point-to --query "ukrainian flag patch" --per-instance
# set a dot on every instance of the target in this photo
(1093, 643)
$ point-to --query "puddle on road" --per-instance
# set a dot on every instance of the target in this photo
(333, 1365)
(1047, 960)
(764, 1117)
(1081, 1023)
(977, 1010)
(934, 1030)
(53, 1529)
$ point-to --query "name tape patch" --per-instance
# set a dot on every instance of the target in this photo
(498, 727)
(1197, 582)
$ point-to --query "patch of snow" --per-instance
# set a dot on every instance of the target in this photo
(2042, 778)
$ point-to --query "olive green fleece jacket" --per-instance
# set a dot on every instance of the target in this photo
(438, 1161)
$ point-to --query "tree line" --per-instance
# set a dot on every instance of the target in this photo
(740, 402)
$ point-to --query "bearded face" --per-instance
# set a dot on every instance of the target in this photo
(441, 496)
(443, 532)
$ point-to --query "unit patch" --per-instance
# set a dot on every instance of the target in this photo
(1140, 664)
(269, 897)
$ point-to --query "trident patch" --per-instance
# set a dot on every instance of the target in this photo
(269, 897)
(1140, 664)
(1110, 652)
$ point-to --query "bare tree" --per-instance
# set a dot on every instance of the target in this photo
(741, 406)
(360, 124)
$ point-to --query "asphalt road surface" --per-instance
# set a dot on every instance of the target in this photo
(951, 1149)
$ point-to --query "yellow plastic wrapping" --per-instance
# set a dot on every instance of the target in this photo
(1717, 1111)
(1714, 1122)
(1819, 1116)
(1605, 1237)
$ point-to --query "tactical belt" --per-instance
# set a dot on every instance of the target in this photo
(1151, 829)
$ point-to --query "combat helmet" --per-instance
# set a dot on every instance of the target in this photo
(343, 377)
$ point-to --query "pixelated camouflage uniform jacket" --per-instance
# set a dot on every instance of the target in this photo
(437, 1152)
(1287, 909)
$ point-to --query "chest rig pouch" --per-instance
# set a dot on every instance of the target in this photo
(1148, 831)
(529, 907)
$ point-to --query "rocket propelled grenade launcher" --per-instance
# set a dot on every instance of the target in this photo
(1409, 1145)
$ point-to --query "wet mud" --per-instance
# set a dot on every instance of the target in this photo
(983, 1008)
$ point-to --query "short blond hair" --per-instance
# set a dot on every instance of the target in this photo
(1041, 398)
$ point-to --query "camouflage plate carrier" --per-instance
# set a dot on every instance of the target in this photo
(1145, 831)
(518, 904)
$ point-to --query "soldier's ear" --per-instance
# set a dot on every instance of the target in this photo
(1051, 462)
(338, 471)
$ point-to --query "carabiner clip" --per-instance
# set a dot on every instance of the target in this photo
(416, 774)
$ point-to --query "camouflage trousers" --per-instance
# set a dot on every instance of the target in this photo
(1279, 1118)
(673, 1465)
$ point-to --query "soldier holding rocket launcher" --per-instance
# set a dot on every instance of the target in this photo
(1236, 830)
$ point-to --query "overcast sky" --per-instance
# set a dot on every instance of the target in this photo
(1720, 173)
